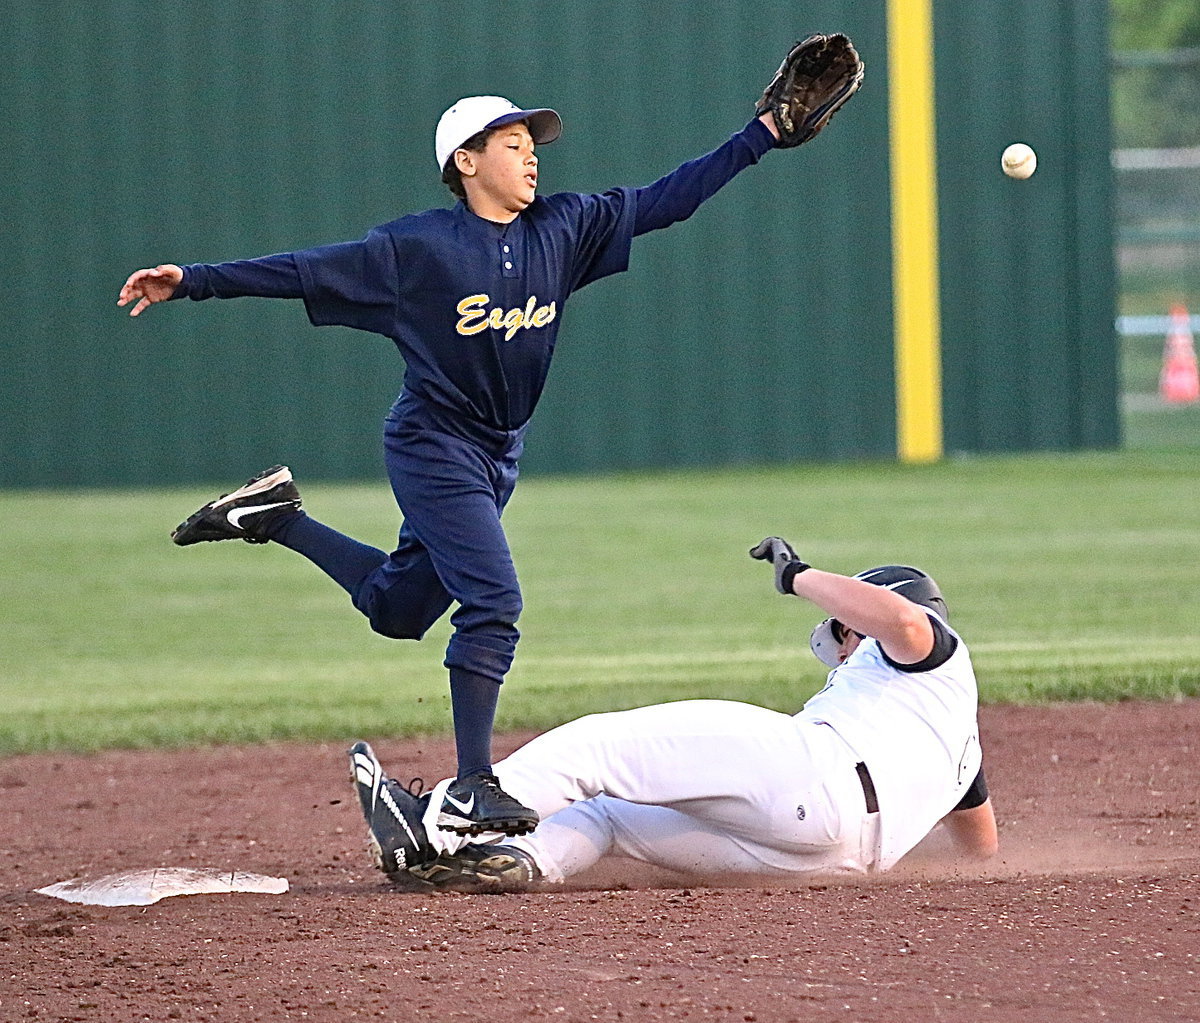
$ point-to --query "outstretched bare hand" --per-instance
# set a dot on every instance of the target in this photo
(154, 284)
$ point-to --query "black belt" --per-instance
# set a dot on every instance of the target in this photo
(864, 776)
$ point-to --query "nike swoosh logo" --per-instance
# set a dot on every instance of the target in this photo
(237, 514)
(466, 807)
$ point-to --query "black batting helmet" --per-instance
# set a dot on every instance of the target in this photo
(909, 582)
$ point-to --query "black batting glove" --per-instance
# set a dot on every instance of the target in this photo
(787, 566)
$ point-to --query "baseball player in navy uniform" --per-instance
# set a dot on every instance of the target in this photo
(473, 297)
(874, 761)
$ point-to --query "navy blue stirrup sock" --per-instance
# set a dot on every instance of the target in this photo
(473, 699)
(346, 561)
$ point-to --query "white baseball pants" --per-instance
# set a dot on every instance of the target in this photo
(699, 786)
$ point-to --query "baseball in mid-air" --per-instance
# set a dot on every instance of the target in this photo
(1018, 160)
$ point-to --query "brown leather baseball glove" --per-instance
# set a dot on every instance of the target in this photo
(813, 83)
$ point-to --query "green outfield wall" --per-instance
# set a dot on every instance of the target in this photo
(1028, 281)
(760, 331)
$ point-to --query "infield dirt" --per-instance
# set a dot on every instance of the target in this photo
(1090, 912)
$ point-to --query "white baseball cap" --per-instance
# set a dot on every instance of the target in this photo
(474, 113)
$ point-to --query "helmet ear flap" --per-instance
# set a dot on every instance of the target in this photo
(824, 644)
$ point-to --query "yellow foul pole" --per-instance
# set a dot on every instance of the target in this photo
(914, 230)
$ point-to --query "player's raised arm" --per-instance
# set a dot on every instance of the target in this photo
(816, 79)
(153, 284)
(902, 627)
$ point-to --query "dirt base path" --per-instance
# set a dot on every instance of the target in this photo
(1091, 912)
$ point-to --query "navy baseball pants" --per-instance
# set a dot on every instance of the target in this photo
(451, 548)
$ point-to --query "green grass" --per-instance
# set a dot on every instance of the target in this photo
(1073, 577)
(1151, 425)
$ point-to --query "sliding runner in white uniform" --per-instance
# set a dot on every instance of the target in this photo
(883, 753)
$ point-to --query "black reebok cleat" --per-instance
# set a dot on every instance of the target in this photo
(242, 514)
(476, 805)
(480, 868)
(393, 814)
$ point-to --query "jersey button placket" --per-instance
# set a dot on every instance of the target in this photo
(508, 260)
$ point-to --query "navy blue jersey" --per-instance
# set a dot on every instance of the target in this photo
(475, 306)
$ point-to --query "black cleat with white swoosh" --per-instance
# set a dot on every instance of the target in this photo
(393, 813)
(477, 805)
(242, 514)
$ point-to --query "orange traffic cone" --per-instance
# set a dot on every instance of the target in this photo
(1179, 382)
